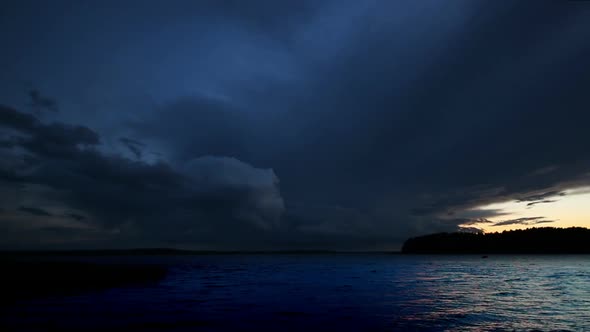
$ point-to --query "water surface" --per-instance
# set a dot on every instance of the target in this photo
(343, 292)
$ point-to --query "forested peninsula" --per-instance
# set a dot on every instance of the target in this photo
(545, 240)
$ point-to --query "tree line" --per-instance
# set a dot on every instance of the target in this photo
(545, 240)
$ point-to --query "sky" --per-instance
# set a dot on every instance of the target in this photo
(278, 125)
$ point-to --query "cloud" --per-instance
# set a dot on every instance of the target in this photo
(198, 126)
(479, 213)
(40, 102)
(35, 211)
(468, 222)
(194, 201)
(471, 230)
(46, 140)
(252, 193)
(541, 197)
(376, 135)
(546, 201)
(134, 146)
(523, 221)
(544, 222)
(75, 216)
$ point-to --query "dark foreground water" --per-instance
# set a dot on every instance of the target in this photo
(328, 293)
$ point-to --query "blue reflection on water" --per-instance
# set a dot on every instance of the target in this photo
(355, 292)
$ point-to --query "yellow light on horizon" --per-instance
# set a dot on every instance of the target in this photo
(572, 209)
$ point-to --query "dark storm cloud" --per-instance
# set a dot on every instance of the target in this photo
(75, 216)
(154, 201)
(417, 132)
(383, 119)
(134, 146)
(45, 140)
(35, 211)
(21, 121)
(384, 132)
(40, 102)
(198, 126)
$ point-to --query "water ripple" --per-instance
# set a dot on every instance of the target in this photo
(338, 292)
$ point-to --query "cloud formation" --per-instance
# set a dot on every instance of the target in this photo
(40, 102)
(524, 221)
(383, 119)
(203, 196)
(35, 211)
(540, 197)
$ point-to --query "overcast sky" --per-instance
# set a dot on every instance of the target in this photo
(268, 124)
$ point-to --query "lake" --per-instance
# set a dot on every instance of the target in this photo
(336, 292)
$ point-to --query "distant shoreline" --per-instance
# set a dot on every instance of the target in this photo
(538, 241)
(176, 252)
(533, 241)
